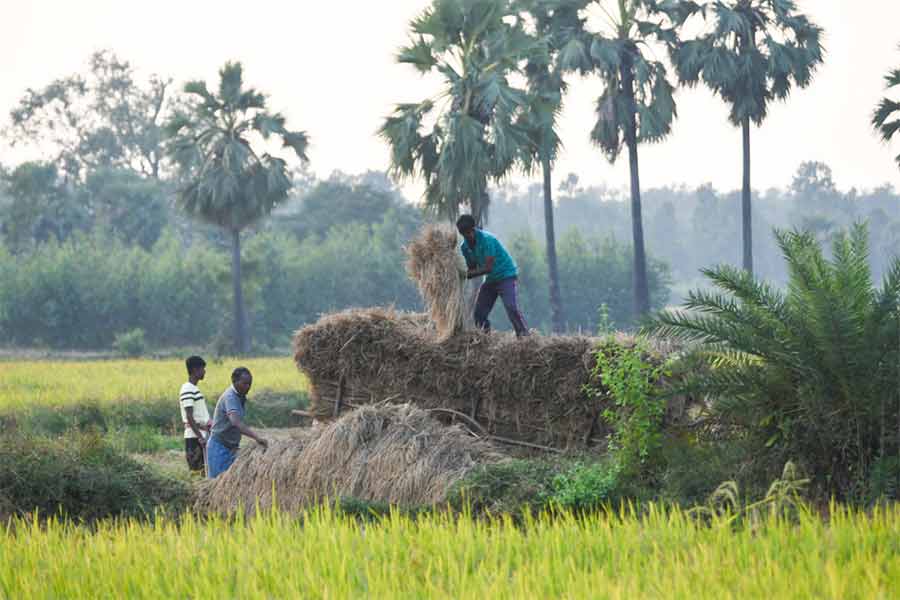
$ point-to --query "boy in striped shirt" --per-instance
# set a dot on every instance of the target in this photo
(194, 414)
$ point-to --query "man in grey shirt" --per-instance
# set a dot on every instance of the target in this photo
(228, 424)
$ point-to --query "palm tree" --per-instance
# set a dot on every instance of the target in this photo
(754, 52)
(216, 142)
(467, 134)
(807, 373)
(546, 87)
(637, 104)
(887, 117)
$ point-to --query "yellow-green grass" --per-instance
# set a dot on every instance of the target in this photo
(660, 555)
(30, 384)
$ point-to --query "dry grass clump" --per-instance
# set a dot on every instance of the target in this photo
(391, 453)
(435, 263)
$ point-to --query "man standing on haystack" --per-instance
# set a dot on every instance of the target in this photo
(485, 255)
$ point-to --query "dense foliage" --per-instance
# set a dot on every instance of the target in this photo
(807, 374)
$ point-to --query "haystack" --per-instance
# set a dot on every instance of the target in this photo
(530, 389)
(397, 454)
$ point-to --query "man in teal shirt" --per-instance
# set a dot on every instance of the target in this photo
(485, 255)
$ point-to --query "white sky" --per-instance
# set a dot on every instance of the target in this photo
(328, 66)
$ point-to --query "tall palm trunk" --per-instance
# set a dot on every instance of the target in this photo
(640, 286)
(746, 222)
(241, 334)
(556, 310)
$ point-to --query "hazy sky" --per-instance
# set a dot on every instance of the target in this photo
(328, 66)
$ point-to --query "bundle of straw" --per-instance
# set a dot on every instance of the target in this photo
(435, 263)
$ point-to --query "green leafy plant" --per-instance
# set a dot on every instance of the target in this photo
(585, 486)
(605, 325)
(810, 372)
(628, 380)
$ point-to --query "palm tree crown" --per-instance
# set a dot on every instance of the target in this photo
(617, 48)
(467, 134)
(887, 117)
(754, 52)
(227, 181)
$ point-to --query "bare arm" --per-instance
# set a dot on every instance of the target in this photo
(189, 413)
(488, 267)
(236, 421)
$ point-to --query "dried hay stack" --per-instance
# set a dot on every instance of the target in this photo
(528, 389)
(435, 263)
(397, 454)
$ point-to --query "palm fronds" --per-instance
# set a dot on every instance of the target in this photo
(226, 181)
(752, 52)
(805, 371)
(472, 133)
(886, 119)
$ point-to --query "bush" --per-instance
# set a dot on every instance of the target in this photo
(636, 413)
(131, 343)
(76, 294)
(531, 485)
(585, 486)
(695, 468)
(809, 374)
(80, 477)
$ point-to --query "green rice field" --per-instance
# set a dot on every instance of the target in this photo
(39, 383)
(662, 554)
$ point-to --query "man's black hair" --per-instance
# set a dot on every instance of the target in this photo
(465, 223)
(194, 362)
(238, 373)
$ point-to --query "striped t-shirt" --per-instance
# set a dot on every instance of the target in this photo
(191, 397)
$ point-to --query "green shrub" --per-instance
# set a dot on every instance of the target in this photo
(628, 382)
(79, 292)
(809, 374)
(585, 486)
(81, 477)
(130, 343)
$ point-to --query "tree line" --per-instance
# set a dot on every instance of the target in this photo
(125, 145)
(338, 245)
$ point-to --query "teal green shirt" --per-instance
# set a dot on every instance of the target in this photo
(487, 245)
